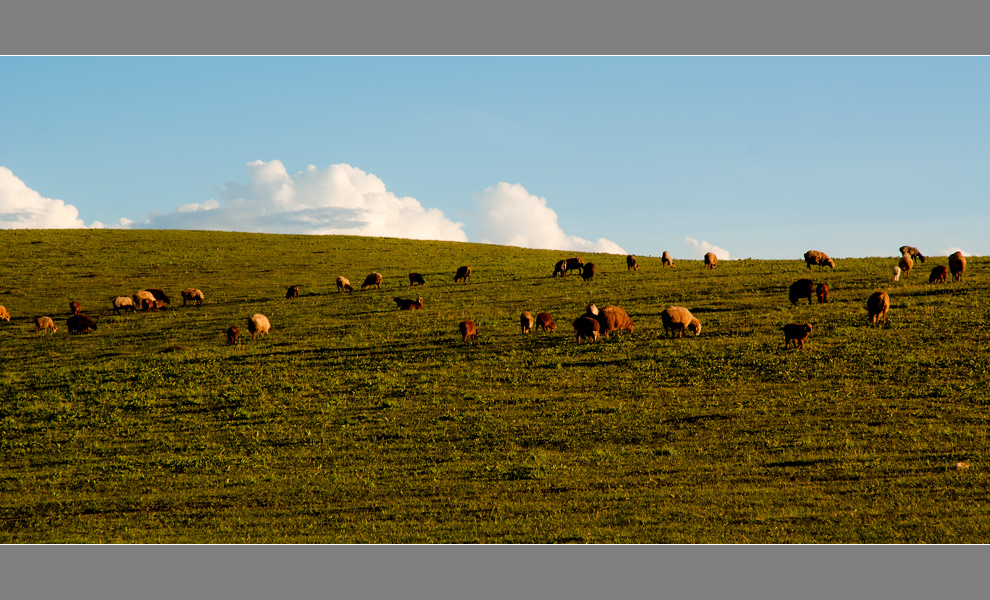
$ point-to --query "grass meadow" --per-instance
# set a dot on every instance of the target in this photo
(354, 422)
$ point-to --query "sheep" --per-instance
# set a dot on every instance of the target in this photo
(463, 274)
(877, 306)
(610, 318)
(667, 260)
(631, 263)
(122, 303)
(906, 264)
(957, 265)
(586, 327)
(897, 273)
(159, 295)
(545, 322)
(233, 333)
(80, 324)
(44, 323)
(560, 268)
(822, 292)
(468, 330)
(292, 292)
(409, 304)
(796, 333)
(141, 296)
(415, 278)
(574, 263)
(258, 325)
(802, 288)
(344, 284)
(814, 257)
(374, 279)
(193, 294)
(939, 274)
(4, 315)
(526, 321)
(151, 305)
(679, 319)
(710, 260)
(588, 271)
(75, 308)
(913, 252)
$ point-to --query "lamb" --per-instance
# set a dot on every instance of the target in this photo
(344, 284)
(588, 271)
(710, 260)
(463, 274)
(814, 257)
(939, 274)
(258, 325)
(560, 268)
(913, 252)
(796, 333)
(232, 334)
(141, 296)
(75, 308)
(574, 263)
(374, 279)
(877, 306)
(667, 260)
(957, 265)
(4, 315)
(631, 263)
(468, 330)
(292, 292)
(415, 278)
(897, 273)
(151, 305)
(679, 319)
(802, 288)
(906, 264)
(586, 327)
(193, 294)
(159, 295)
(526, 321)
(122, 303)
(545, 322)
(610, 318)
(409, 304)
(822, 292)
(80, 324)
(44, 323)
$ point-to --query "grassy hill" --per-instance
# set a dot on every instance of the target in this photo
(356, 422)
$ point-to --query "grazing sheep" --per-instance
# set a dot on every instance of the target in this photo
(415, 278)
(957, 265)
(822, 292)
(344, 284)
(159, 295)
(374, 279)
(679, 319)
(877, 306)
(913, 252)
(814, 257)
(939, 274)
(468, 330)
(193, 294)
(588, 271)
(232, 334)
(44, 323)
(463, 274)
(586, 327)
(796, 333)
(258, 325)
(545, 322)
(897, 273)
(906, 264)
(141, 296)
(631, 263)
(122, 303)
(75, 308)
(611, 318)
(526, 321)
(409, 304)
(802, 288)
(292, 292)
(4, 315)
(574, 263)
(560, 268)
(667, 260)
(710, 260)
(80, 324)
(151, 305)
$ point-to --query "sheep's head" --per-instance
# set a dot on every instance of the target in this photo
(830, 263)
(592, 309)
(695, 326)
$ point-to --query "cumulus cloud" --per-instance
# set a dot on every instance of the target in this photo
(510, 215)
(953, 250)
(339, 199)
(699, 249)
(23, 208)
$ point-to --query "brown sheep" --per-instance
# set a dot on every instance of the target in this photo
(710, 260)
(193, 294)
(409, 304)
(678, 319)
(4, 315)
(463, 274)
(796, 333)
(814, 257)
(44, 323)
(141, 296)
(123, 303)
(906, 264)
(468, 330)
(344, 284)
(152, 305)
(667, 260)
(545, 322)
(588, 271)
(415, 278)
(586, 327)
(631, 263)
(292, 292)
(574, 263)
(877, 306)
(526, 321)
(610, 318)
(232, 334)
(258, 325)
(80, 324)
(822, 292)
(372, 280)
(159, 295)
(913, 252)
(560, 268)
(802, 288)
(75, 308)
(957, 265)
(939, 274)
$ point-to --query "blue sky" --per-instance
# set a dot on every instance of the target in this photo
(761, 157)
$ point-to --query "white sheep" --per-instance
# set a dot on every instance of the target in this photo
(122, 303)
(897, 273)
(141, 296)
(678, 318)
(258, 325)
(190, 294)
(906, 264)
(44, 323)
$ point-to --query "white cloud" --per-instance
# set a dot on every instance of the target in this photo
(698, 250)
(23, 208)
(340, 199)
(953, 250)
(512, 216)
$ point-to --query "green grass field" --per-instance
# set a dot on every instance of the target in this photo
(355, 422)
